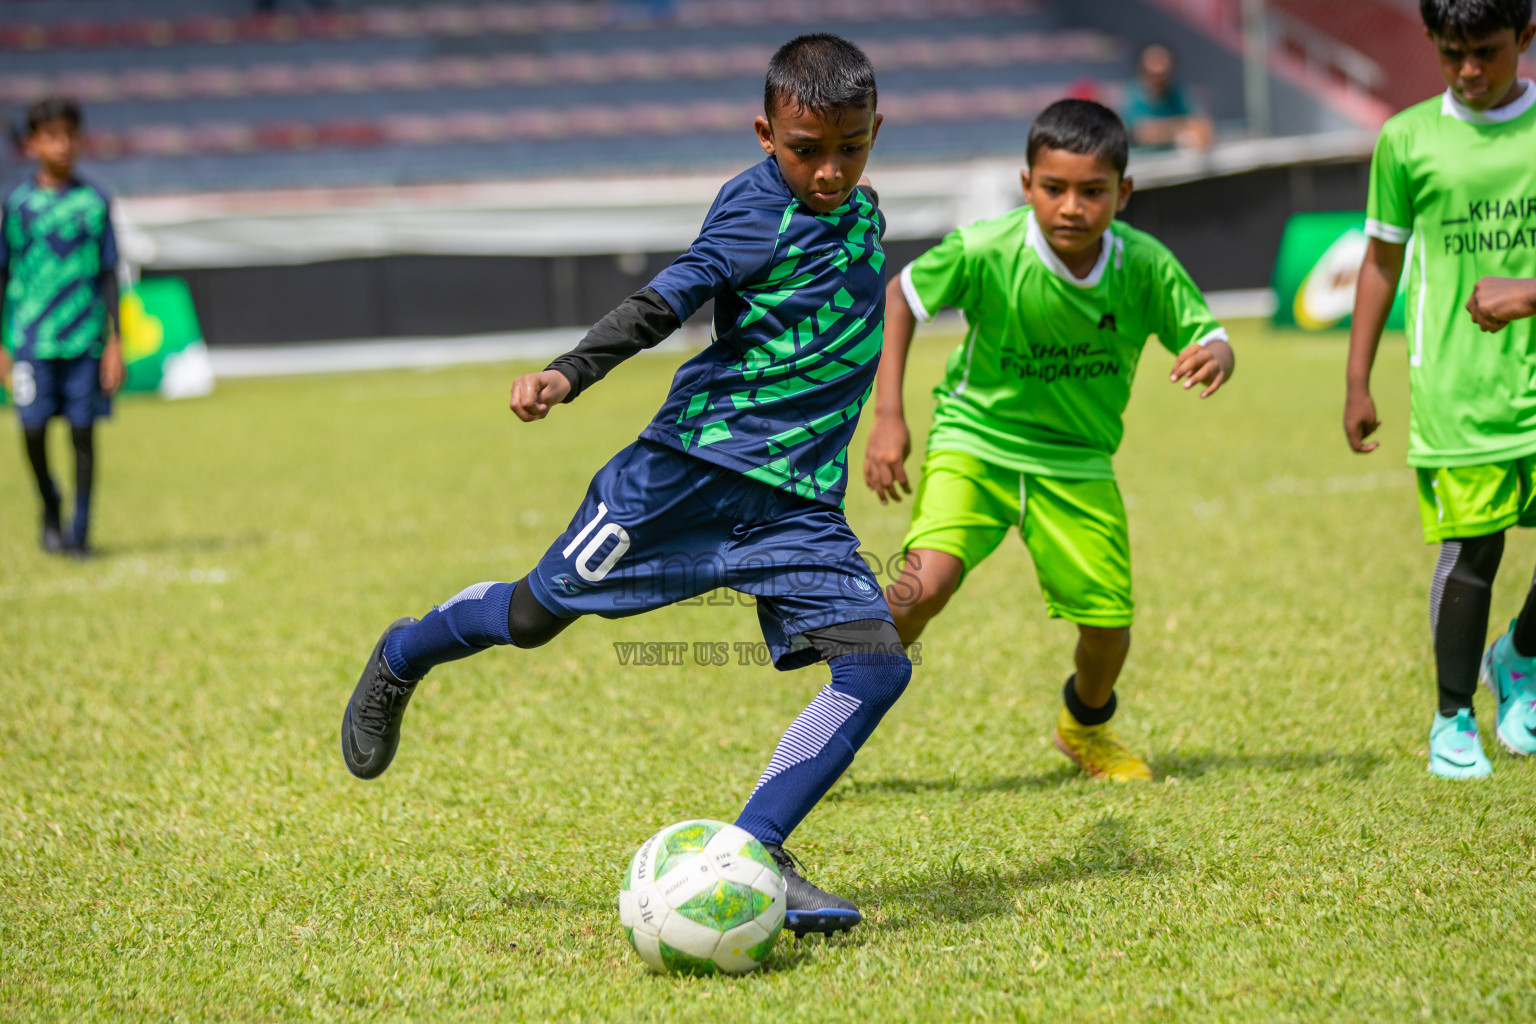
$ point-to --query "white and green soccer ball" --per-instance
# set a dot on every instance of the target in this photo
(702, 897)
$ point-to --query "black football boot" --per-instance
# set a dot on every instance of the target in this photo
(370, 729)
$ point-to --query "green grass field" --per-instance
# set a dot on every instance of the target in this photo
(179, 838)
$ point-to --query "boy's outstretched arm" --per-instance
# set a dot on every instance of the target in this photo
(890, 442)
(1498, 300)
(1210, 364)
(639, 322)
(1382, 266)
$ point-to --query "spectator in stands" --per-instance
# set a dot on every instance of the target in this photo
(58, 283)
(1158, 111)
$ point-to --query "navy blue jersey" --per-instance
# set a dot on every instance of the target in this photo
(799, 309)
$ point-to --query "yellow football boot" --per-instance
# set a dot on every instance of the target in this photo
(1098, 751)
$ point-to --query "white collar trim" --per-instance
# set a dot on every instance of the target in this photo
(1450, 106)
(1036, 237)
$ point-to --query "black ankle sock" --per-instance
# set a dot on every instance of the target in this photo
(1084, 714)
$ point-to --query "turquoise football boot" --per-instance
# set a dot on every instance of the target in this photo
(1512, 681)
(1455, 752)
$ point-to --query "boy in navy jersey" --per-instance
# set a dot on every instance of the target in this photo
(739, 480)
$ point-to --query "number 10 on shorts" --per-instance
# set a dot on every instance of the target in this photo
(584, 567)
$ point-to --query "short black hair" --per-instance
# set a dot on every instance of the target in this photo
(1473, 19)
(54, 108)
(820, 72)
(1081, 126)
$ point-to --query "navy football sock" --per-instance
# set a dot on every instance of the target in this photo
(84, 440)
(820, 744)
(37, 455)
(465, 624)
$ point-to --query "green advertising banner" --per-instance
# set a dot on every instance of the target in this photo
(163, 345)
(163, 349)
(1317, 268)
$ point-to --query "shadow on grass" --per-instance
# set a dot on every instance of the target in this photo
(955, 893)
(954, 784)
(1357, 766)
(787, 953)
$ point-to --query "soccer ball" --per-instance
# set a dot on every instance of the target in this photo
(702, 897)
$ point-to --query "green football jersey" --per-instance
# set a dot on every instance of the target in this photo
(1041, 382)
(1462, 184)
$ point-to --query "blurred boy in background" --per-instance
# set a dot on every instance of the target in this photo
(58, 280)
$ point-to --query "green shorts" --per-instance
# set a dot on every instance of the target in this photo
(1075, 531)
(1474, 501)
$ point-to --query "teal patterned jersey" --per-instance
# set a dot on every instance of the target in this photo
(56, 244)
(799, 308)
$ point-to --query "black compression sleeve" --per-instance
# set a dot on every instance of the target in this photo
(640, 322)
(1459, 599)
(110, 297)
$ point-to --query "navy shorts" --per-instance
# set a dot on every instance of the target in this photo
(45, 388)
(658, 527)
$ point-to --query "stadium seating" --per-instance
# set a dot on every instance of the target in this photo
(1377, 46)
(206, 94)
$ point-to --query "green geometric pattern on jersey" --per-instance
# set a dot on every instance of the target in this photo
(54, 237)
(828, 344)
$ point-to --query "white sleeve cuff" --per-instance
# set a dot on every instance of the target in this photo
(1219, 334)
(913, 299)
(1387, 232)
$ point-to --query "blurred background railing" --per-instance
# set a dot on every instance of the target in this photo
(362, 169)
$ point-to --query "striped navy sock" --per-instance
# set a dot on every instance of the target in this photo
(472, 620)
(819, 745)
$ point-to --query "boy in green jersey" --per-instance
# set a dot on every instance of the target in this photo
(1059, 301)
(1457, 176)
